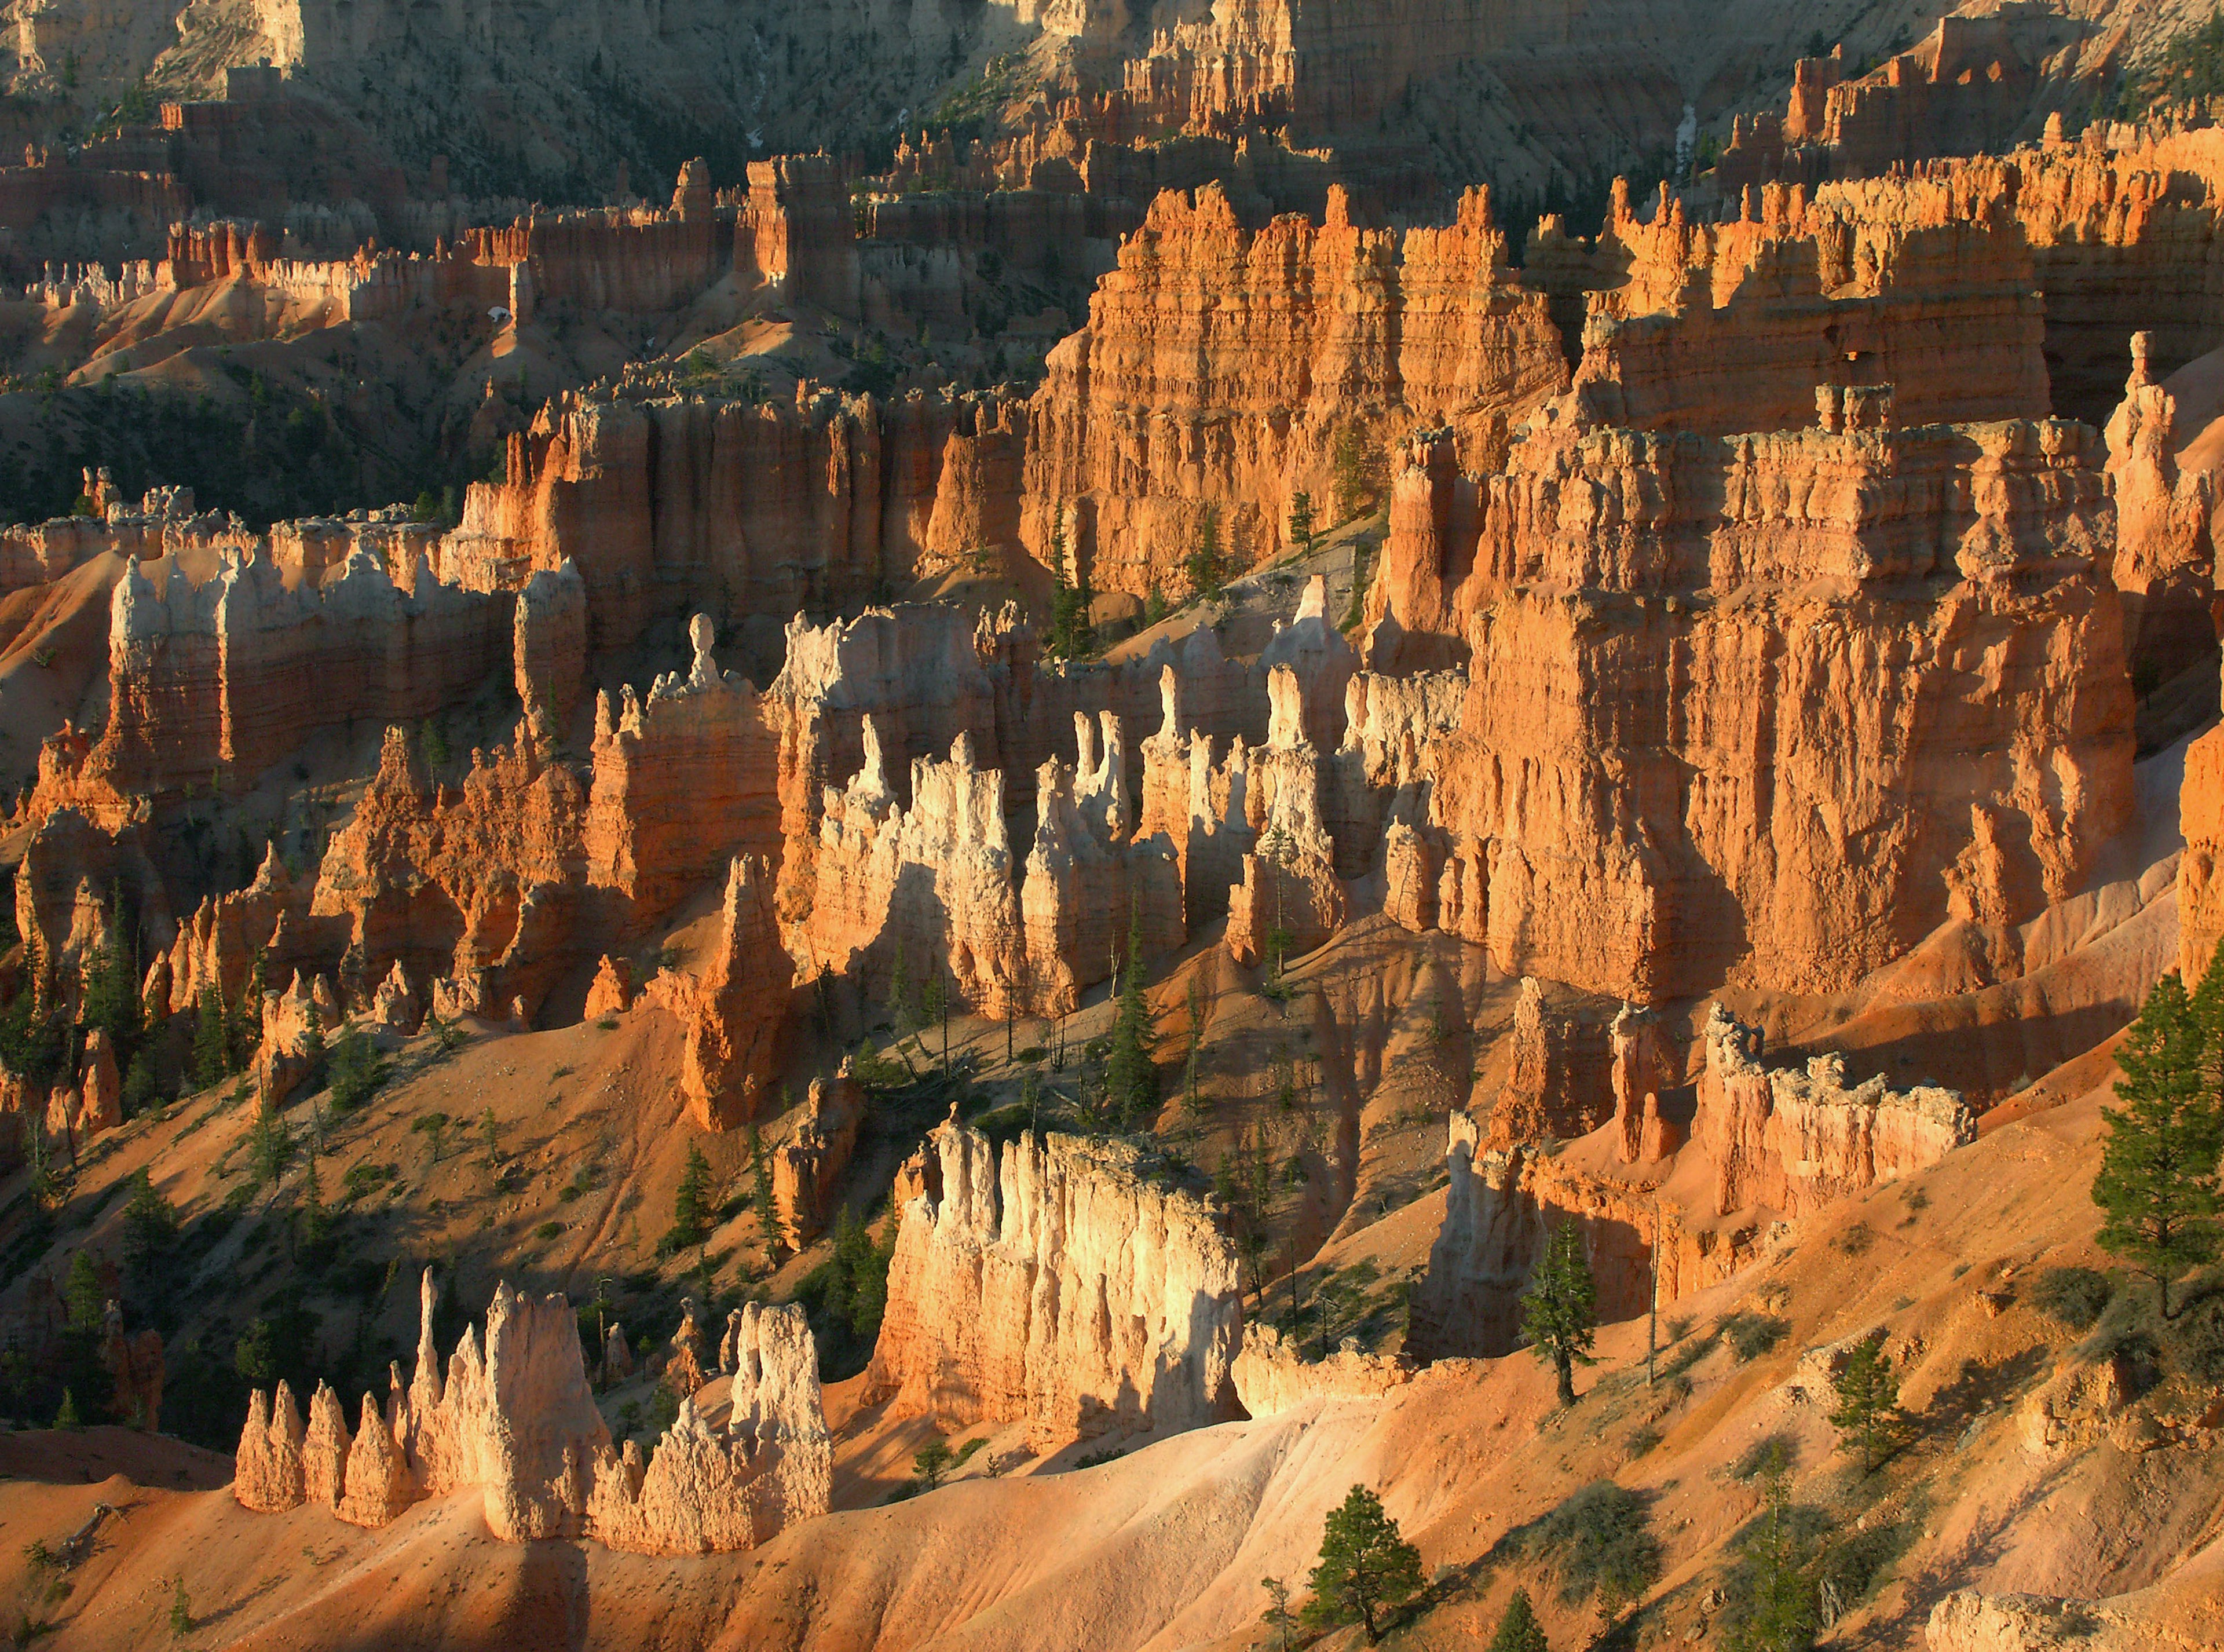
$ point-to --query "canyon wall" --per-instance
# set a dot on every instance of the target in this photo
(1054, 1285)
(1613, 812)
(211, 682)
(1222, 367)
(733, 506)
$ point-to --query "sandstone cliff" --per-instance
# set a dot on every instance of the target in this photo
(1615, 820)
(1309, 335)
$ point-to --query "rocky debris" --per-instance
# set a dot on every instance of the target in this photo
(1967, 1621)
(1272, 1373)
(1060, 1288)
(1796, 1141)
(710, 1488)
(807, 1168)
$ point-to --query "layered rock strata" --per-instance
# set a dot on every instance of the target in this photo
(737, 507)
(1057, 1288)
(1222, 367)
(1613, 815)
(211, 683)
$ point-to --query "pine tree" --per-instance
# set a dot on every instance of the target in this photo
(900, 995)
(149, 1222)
(270, 1143)
(1278, 1613)
(761, 1193)
(1518, 1631)
(181, 1612)
(313, 1221)
(1773, 1605)
(67, 1417)
(1559, 1311)
(111, 997)
(691, 1204)
(313, 1049)
(930, 1462)
(1302, 531)
(1367, 1567)
(2158, 1180)
(212, 1039)
(245, 1033)
(490, 1138)
(934, 1003)
(1869, 1414)
(84, 1299)
(142, 1081)
(1131, 1081)
(1205, 564)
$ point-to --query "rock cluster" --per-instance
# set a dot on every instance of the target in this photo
(1054, 1284)
(1796, 1141)
(710, 1487)
(1769, 1146)
(514, 1421)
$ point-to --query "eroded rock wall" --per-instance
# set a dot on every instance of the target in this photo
(1930, 607)
(1222, 366)
(1055, 1285)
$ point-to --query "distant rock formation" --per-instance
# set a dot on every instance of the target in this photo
(806, 1168)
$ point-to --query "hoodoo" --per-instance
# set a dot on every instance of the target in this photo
(1110, 826)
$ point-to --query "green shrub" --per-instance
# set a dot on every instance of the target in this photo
(1601, 1543)
(1751, 1335)
(2075, 1296)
